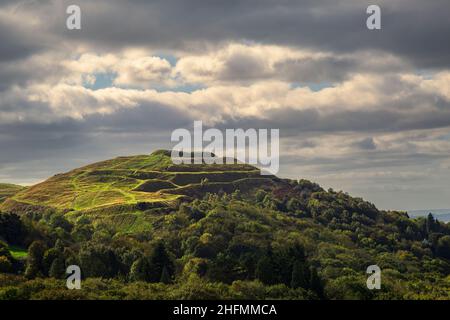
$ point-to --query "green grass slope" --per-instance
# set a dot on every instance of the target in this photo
(129, 185)
(7, 190)
(18, 252)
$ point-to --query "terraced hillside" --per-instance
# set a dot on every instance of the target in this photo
(132, 185)
(7, 190)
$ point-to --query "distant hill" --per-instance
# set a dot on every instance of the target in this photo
(7, 190)
(440, 214)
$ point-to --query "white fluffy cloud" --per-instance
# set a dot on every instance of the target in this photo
(248, 63)
(409, 95)
(132, 68)
(235, 64)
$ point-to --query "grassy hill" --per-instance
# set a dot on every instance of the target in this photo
(143, 179)
(120, 190)
(7, 190)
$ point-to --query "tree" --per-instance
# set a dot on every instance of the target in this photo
(158, 267)
(165, 277)
(293, 205)
(430, 225)
(158, 260)
(12, 229)
(205, 250)
(223, 268)
(5, 265)
(315, 283)
(49, 256)
(260, 195)
(265, 270)
(57, 269)
(283, 260)
(4, 251)
(99, 261)
(300, 276)
(140, 270)
(35, 265)
(443, 247)
(62, 222)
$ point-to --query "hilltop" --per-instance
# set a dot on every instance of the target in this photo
(127, 186)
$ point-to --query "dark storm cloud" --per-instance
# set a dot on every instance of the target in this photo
(11, 76)
(366, 144)
(320, 70)
(417, 30)
(16, 42)
(22, 72)
(247, 68)
(293, 122)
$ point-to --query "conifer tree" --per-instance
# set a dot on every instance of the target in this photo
(165, 277)
(265, 271)
(57, 269)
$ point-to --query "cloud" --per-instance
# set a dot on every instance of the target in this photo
(415, 30)
(248, 63)
(132, 68)
(143, 71)
(17, 40)
(366, 144)
(396, 102)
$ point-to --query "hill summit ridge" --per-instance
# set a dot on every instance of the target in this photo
(130, 183)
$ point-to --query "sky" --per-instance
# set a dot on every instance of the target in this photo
(364, 111)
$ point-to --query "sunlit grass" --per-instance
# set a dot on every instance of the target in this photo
(116, 188)
(17, 252)
(7, 190)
